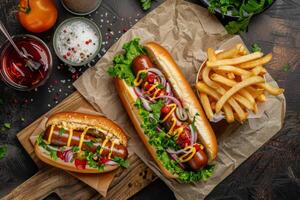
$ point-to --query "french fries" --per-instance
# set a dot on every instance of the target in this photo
(236, 88)
(206, 105)
(258, 62)
(235, 61)
(233, 81)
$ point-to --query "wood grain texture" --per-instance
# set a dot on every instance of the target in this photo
(127, 182)
(51, 180)
(273, 172)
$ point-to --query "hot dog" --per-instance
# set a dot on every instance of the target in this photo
(143, 62)
(165, 112)
(82, 143)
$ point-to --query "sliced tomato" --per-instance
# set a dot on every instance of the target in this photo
(80, 164)
(165, 109)
(184, 138)
(151, 78)
(103, 160)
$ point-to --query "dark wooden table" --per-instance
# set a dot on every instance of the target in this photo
(273, 172)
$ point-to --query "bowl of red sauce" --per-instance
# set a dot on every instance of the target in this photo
(13, 69)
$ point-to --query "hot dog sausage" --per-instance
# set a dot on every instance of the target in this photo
(198, 161)
(62, 139)
(141, 62)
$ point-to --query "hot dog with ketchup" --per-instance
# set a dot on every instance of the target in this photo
(82, 143)
(165, 111)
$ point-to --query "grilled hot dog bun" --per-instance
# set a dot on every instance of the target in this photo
(164, 61)
(99, 132)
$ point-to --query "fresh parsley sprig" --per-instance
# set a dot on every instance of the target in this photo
(146, 4)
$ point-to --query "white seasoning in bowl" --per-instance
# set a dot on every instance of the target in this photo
(77, 41)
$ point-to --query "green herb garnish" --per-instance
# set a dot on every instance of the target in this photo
(75, 149)
(122, 62)
(160, 86)
(3, 151)
(286, 68)
(7, 125)
(89, 143)
(61, 131)
(143, 75)
(121, 162)
(92, 163)
(53, 154)
(146, 4)
(41, 142)
(255, 48)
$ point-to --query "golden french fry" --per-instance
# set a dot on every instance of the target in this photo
(235, 61)
(250, 81)
(202, 87)
(257, 62)
(206, 79)
(237, 108)
(258, 70)
(243, 101)
(206, 106)
(223, 80)
(213, 105)
(235, 70)
(271, 89)
(255, 92)
(247, 95)
(231, 75)
(241, 49)
(255, 110)
(261, 98)
(211, 54)
(229, 53)
(228, 113)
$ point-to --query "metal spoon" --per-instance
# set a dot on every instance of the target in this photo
(33, 65)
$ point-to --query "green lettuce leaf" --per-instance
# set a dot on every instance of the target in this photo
(161, 141)
(122, 62)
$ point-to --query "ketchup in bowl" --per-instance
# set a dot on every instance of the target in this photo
(13, 68)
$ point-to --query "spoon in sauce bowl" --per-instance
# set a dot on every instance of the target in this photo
(33, 65)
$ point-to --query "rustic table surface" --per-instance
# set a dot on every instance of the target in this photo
(273, 172)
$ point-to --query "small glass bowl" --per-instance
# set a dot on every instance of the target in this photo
(63, 25)
(78, 12)
(34, 41)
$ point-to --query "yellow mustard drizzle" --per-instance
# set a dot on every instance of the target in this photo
(103, 145)
(189, 155)
(155, 94)
(152, 87)
(138, 80)
(178, 131)
(82, 138)
(174, 120)
(173, 105)
(111, 149)
(50, 134)
(70, 137)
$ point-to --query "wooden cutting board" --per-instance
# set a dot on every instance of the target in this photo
(49, 180)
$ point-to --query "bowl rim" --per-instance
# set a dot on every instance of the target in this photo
(81, 13)
(4, 47)
(78, 19)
